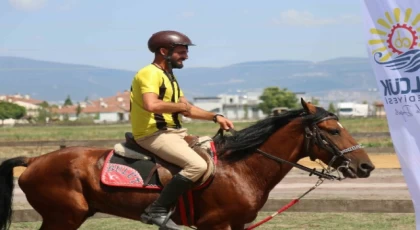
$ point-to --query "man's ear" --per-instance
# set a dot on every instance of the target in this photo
(163, 51)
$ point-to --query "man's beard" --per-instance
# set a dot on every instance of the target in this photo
(175, 65)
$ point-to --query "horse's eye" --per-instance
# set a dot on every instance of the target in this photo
(334, 132)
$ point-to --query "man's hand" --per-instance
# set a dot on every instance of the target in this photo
(195, 112)
(224, 123)
(187, 111)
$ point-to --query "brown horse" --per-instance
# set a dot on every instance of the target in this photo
(64, 186)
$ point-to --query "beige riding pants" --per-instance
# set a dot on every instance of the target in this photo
(171, 146)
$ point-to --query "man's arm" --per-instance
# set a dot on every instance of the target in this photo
(148, 82)
(198, 113)
(152, 104)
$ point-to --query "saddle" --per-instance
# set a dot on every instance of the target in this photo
(129, 160)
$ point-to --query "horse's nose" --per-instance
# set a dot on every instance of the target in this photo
(365, 169)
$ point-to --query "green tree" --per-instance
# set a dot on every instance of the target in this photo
(273, 97)
(66, 117)
(10, 110)
(78, 110)
(246, 107)
(314, 101)
(44, 105)
(331, 108)
(43, 114)
(68, 101)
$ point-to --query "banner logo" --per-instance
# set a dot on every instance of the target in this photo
(395, 41)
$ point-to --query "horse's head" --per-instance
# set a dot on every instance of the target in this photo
(327, 140)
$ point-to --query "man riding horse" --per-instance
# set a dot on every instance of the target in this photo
(157, 103)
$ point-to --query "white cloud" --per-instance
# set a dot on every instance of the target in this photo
(27, 5)
(90, 80)
(187, 14)
(305, 18)
(38, 38)
(229, 82)
(67, 5)
(311, 74)
(351, 19)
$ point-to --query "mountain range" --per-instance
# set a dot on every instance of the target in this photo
(328, 80)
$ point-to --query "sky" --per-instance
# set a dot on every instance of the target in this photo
(114, 34)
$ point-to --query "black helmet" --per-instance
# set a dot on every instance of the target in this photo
(167, 39)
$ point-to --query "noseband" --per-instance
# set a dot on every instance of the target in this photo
(314, 136)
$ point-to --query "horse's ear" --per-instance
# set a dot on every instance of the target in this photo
(304, 105)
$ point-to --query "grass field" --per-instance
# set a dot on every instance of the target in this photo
(117, 132)
(291, 220)
(198, 128)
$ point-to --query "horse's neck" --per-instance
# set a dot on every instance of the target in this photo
(286, 145)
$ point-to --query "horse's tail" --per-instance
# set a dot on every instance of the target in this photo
(6, 189)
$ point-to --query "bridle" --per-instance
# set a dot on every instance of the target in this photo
(314, 136)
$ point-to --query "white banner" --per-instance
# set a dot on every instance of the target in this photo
(393, 43)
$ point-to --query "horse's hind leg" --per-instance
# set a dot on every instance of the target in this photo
(67, 212)
(64, 221)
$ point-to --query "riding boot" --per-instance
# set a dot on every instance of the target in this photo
(158, 211)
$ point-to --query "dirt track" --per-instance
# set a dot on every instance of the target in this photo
(382, 161)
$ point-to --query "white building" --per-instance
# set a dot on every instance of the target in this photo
(110, 109)
(242, 106)
(351, 109)
(31, 105)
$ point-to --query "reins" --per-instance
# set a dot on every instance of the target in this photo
(313, 136)
(287, 206)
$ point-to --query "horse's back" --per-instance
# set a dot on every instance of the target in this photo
(58, 181)
(62, 167)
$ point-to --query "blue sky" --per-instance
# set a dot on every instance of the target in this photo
(114, 34)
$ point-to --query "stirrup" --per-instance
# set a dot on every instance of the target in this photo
(168, 217)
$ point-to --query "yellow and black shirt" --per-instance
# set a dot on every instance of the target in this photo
(151, 79)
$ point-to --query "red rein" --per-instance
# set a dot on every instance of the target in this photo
(284, 208)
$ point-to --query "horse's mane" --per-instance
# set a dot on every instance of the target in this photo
(244, 142)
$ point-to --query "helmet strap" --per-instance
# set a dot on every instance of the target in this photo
(168, 61)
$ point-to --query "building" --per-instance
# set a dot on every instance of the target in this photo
(240, 106)
(31, 105)
(351, 109)
(379, 109)
(103, 110)
(234, 107)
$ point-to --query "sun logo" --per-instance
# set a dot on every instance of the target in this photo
(396, 41)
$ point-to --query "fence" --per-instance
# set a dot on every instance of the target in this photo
(112, 142)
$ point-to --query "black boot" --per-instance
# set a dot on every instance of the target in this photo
(158, 211)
